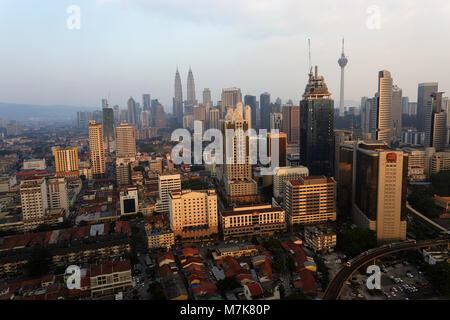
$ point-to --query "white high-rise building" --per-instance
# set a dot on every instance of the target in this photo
(33, 197)
(283, 174)
(384, 115)
(166, 184)
(57, 194)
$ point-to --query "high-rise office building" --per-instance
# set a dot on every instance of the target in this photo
(57, 195)
(160, 117)
(97, 148)
(264, 103)
(435, 122)
(342, 63)
(405, 102)
(397, 112)
(236, 172)
(251, 101)
(132, 112)
(310, 199)
(146, 102)
(291, 123)
(66, 159)
(316, 127)
(104, 103)
(123, 170)
(282, 147)
(214, 119)
(116, 114)
(33, 198)
(276, 119)
(178, 100)
(193, 214)
(384, 110)
(379, 190)
(207, 97)
(230, 98)
(248, 116)
(145, 119)
(423, 94)
(108, 128)
(125, 140)
(166, 184)
(190, 100)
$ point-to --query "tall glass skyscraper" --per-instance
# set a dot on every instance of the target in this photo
(264, 102)
(316, 127)
(108, 128)
(178, 100)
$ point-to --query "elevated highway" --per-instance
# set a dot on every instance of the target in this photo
(334, 288)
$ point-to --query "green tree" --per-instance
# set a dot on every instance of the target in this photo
(421, 199)
(227, 284)
(439, 275)
(441, 183)
(356, 241)
(38, 263)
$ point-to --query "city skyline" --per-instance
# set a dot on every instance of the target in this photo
(110, 73)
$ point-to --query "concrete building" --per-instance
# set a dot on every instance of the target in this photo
(384, 110)
(291, 123)
(97, 148)
(252, 220)
(125, 140)
(236, 171)
(66, 159)
(214, 119)
(110, 278)
(230, 98)
(57, 195)
(193, 214)
(379, 186)
(129, 202)
(320, 238)
(34, 164)
(423, 94)
(123, 170)
(284, 174)
(310, 200)
(166, 184)
(33, 198)
(435, 122)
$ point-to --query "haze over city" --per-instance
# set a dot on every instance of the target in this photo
(128, 47)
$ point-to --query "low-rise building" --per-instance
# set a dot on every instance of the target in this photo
(252, 220)
(320, 238)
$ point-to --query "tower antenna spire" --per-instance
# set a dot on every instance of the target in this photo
(309, 53)
(342, 44)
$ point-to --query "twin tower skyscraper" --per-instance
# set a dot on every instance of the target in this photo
(178, 97)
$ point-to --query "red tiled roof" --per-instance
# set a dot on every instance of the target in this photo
(255, 289)
(108, 268)
(308, 282)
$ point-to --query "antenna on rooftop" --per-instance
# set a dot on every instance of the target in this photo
(309, 52)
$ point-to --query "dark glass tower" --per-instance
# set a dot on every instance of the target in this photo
(316, 127)
(264, 102)
(108, 128)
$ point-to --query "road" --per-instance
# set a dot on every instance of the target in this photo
(334, 288)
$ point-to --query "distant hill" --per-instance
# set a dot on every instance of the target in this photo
(13, 111)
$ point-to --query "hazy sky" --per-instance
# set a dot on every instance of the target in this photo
(128, 47)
